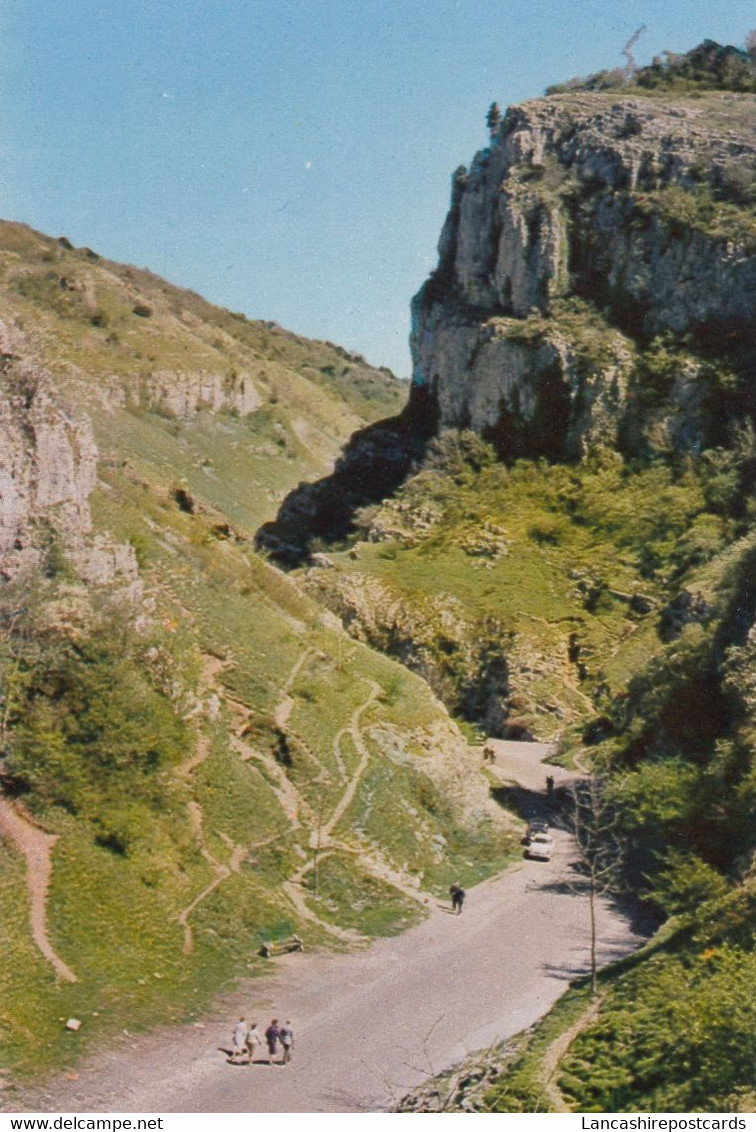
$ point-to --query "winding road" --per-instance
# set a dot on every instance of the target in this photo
(374, 1023)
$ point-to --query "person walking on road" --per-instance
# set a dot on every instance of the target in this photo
(286, 1034)
(254, 1041)
(239, 1040)
(457, 894)
(272, 1034)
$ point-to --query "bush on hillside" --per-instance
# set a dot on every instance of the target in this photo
(87, 728)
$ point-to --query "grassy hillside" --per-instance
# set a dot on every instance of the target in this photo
(670, 1031)
(149, 360)
(539, 587)
(608, 605)
(620, 600)
(220, 764)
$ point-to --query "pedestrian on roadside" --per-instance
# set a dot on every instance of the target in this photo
(239, 1040)
(254, 1041)
(457, 894)
(286, 1034)
(272, 1034)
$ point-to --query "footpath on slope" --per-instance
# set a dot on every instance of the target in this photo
(37, 848)
(371, 1025)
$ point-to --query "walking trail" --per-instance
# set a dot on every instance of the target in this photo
(37, 848)
(372, 1024)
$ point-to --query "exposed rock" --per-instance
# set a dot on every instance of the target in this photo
(462, 662)
(184, 394)
(48, 469)
(686, 609)
(48, 465)
(579, 195)
(591, 224)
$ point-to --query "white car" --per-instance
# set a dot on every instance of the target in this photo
(539, 847)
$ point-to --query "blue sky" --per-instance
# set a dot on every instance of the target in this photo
(290, 159)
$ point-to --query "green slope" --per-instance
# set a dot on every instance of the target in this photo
(220, 763)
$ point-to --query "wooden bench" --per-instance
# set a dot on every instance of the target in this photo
(281, 946)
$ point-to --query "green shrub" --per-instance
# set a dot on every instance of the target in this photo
(677, 1035)
(684, 883)
(86, 722)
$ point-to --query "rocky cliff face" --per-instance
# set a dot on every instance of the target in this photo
(47, 472)
(590, 225)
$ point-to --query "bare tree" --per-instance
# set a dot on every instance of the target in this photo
(630, 64)
(594, 824)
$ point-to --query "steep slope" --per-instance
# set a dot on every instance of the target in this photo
(146, 360)
(573, 556)
(594, 225)
(195, 758)
(592, 307)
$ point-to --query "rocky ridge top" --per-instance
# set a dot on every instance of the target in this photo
(588, 214)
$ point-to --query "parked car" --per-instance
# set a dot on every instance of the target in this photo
(539, 847)
(537, 825)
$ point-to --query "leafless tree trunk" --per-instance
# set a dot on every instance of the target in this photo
(594, 825)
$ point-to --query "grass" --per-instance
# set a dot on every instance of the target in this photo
(87, 308)
(114, 917)
(580, 543)
(673, 1031)
(349, 897)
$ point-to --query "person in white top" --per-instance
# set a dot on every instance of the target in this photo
(239, 1040)
(254, 1040)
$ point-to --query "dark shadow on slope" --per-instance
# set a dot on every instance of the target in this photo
(373, 465)
(532, 805)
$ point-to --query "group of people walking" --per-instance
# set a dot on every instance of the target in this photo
(247, 1040)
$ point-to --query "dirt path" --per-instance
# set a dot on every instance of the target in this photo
(556, 1052)
(356, 733)
(37, 847)
(283, 710)
(372, 1024)
(212, 666)
(222, 872)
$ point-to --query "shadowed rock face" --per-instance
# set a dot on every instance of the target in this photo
(373, 465)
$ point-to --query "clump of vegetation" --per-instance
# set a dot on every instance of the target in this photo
(87, 729)
(710, 66)
(701, 209)
(673, 1031)
(674, 1036)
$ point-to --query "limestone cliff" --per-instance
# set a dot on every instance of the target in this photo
(47, 473)
(592, 225)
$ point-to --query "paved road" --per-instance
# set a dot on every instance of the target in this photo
(372, 1024)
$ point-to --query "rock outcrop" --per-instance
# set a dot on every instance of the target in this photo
(590, 225)
(48, 469)
(183, 395)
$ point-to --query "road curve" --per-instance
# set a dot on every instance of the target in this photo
(372, 1024)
